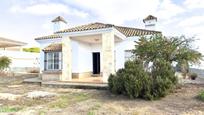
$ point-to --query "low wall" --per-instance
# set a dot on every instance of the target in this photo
(55, 75)
(51, 75)
(22, 61)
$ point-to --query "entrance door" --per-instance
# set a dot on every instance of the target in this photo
(96, 62)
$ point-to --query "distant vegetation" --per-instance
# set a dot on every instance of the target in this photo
(33, 49)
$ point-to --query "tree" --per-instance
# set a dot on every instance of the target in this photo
(151, 75)
(173, 49)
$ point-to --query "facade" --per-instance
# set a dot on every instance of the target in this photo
(94, 49)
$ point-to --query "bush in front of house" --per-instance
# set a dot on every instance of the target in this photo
(4, 63)
(163, 78)
(135, 82)
(127, 81)
(201, 96)
(115, 82)
(193, 76)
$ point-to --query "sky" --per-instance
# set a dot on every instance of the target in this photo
(24, 20)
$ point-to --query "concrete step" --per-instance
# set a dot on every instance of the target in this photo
(67, 84)
(79, 85)
(96, 75)
(35, 80)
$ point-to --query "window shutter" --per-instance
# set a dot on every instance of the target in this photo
(45, 61)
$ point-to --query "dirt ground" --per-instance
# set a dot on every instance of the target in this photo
(96, 102)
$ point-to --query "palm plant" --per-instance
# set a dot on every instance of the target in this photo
(4, 63)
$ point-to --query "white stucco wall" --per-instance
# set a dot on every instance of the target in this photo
(85, 57)
(75, 56)
(120, 47)
(57, 26)
(151, 24)
(85, 62)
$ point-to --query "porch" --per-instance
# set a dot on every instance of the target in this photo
(85, 83)
(92, 52)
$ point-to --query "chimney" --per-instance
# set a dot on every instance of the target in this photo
(59, 24)
(150, 22)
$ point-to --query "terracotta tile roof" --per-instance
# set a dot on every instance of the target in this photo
(53, 47)
(59, 18)
(49, 37)
(127, 31)
(150, 17)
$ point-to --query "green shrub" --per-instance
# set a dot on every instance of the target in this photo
(132, 81)
(201, 96)
(164, 79)
(4, 62)
(135, 82)
(193, 76)
(116, 82)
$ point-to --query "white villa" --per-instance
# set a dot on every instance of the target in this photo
(91, 51)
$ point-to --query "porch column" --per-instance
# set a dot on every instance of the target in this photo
(108, 63)
(67, 59)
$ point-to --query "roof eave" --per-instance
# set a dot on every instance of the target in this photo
(86, 32)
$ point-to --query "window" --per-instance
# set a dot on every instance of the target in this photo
(53, 61)
(128, 55)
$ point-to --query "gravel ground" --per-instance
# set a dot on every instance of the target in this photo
(99, 102)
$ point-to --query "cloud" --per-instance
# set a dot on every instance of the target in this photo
(192, 21)
(192, 4)
(48, 27)
(118, 11)
(167, 9)
(41, 9)
(48, 9)
(110, 11)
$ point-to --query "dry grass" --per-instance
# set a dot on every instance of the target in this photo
(92, 102)
(9, 109)
(65, 100)
(94, 109)
(201, 95)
